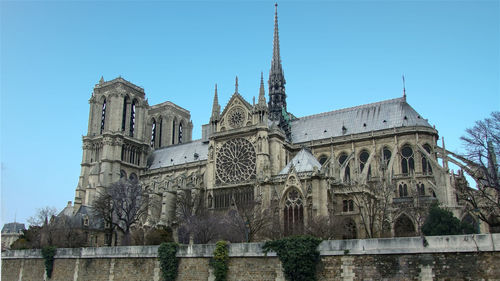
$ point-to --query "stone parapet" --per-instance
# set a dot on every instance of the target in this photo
(380, 246)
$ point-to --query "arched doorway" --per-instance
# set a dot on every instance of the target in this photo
(404, 227)
(293, 212)
(469, 220)
(350, 230)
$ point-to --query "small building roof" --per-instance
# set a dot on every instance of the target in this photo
(12, 227)
(304, 161)
(355, 120)
(179, 154)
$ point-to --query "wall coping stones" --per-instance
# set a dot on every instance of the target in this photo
(379, 246)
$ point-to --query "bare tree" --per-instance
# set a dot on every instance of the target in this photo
(249, 220)
(373, 200)
(42, 216)
(195, 222)
(482, 143)
(65, 233)
(326, 228)
(103, 208)
(124, 203)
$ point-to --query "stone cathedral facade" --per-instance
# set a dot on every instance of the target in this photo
(299, 168)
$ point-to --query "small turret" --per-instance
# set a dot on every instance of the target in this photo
(260, 109)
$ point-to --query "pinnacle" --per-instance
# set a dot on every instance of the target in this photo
(215, 106)
(262, 93)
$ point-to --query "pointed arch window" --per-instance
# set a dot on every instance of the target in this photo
(363, 160)
(407, 160)
(347, 171)
(403, 190)
(153, 133)
(173, 131)
(124, 113)
(421, 189)
(322, 159)
(161, 132)
(387, 154)
(426, 164)
(180, 132)
(132, 117)
(293, 212)
(103, 115)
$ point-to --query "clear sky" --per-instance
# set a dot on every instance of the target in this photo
(335, 54)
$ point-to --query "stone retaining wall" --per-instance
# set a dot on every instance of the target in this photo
(459, 257)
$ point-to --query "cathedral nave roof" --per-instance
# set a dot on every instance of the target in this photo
(354, 120)
(179, 154)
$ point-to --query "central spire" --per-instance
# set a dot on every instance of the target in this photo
(277, 96)
(276, 61)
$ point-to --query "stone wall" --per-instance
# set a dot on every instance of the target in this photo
(460, 257)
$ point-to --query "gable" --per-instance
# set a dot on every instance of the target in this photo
(236, 114)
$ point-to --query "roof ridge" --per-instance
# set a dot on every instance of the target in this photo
(326, 113)
(122, 80)
(179, 144)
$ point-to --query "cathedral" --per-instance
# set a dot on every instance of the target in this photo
(372, 166)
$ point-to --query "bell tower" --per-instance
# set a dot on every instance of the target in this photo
(115, 145)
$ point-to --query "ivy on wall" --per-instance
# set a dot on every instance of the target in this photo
(220, 261)
(169, 263)
(48, 254)
(299, 256)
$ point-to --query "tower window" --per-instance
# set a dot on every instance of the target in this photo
(103, 115)
(124, 113)
(173, 132)
(161, 129)
(132, 118)
(153, 133)
(180, 133)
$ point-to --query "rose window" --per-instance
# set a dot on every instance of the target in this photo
(236, 117)
(235, 161)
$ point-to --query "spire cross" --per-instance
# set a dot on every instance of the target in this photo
(236, 85)
(404, 87)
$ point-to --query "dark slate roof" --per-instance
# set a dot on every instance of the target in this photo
(76, 219)
(179, 154)
(360, 119)
(304, 161)
(13, 227)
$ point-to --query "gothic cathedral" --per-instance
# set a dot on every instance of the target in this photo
(372, 164)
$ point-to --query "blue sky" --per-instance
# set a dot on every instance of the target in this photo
(335, 54)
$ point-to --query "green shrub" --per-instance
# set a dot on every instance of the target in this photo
(220, 261)
(442, 222)
(299, 256)
(48, 254)
(169, 263)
